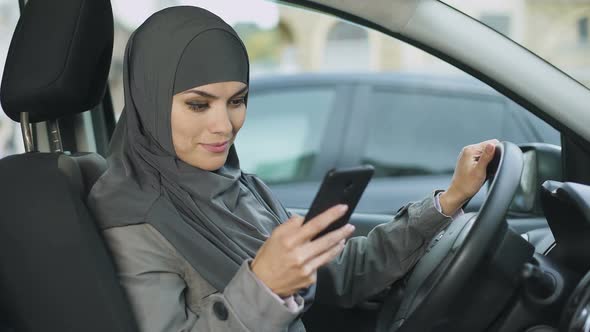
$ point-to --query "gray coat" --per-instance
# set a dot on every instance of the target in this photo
(168, 294)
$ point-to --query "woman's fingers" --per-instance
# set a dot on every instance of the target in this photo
(324, 243)
(289, 260)
(326, 256)
(320, 222)
(308, 272)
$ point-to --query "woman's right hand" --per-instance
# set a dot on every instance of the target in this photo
(289, 259)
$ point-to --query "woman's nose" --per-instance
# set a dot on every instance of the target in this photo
(220, 123)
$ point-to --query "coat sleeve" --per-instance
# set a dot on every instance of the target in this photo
(153, 277)
(368, 265)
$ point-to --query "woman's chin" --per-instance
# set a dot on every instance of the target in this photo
(213, 167)
(210, 163)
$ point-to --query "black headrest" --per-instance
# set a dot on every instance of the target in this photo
(59, 59)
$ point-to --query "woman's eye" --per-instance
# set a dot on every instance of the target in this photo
(197, 107)
(238, 101)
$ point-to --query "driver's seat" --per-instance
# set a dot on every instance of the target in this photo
(56, 273)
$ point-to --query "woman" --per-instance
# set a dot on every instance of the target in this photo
(202, 246)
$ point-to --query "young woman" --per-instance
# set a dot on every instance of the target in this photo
(201, 245)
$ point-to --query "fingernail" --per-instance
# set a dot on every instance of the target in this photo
(342, 208)
(489, 148)
(350, 227)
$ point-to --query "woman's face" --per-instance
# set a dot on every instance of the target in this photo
(205, 122)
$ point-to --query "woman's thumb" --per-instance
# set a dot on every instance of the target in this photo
(487, 155)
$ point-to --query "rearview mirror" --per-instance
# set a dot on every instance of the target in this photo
(542, 162)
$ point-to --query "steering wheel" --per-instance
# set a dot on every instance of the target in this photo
(452, 257)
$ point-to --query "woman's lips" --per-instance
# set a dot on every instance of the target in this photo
(216, 148)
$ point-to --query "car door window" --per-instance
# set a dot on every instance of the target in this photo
(282, 135)
(10, 137)
(542, 129)
(420, 133)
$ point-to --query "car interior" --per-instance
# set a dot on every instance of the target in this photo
(518, 263)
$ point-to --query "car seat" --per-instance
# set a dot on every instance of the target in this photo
(56, 273)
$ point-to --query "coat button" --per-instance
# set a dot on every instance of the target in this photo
(220, 310)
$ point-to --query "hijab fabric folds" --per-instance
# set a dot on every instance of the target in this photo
(215, 220)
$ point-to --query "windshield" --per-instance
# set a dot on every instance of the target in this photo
(557, 31)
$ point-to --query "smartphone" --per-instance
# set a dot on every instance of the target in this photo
(340, 186)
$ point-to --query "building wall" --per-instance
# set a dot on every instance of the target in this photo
(310, 33)
(553, 33)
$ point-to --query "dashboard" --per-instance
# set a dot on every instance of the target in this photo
(567, 208)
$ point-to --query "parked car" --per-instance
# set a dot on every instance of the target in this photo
(410, 127)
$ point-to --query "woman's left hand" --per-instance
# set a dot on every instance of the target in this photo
(469, 176)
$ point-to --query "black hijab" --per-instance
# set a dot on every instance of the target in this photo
(215, 220)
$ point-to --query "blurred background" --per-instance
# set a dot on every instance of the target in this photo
(307, 68)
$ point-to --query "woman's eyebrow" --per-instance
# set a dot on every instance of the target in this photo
(243, 90)
(202, 93)
(208, 95)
